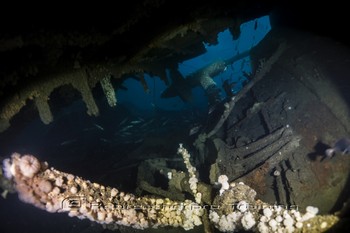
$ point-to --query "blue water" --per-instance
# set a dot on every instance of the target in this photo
(252, 33)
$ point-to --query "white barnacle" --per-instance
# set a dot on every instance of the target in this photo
(276, 173)
(242, 206)
(29, 165)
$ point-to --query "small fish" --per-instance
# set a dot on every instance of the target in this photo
(99, 127)
(342, 145)
(126, 128)
(68, 142)
(147, 123)
(125, 134)
(139, 141)
(123, 121)
(195, 130)
(105, 140)
(165, 122)
(135, 122)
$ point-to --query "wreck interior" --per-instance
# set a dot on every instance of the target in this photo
(110, 96)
